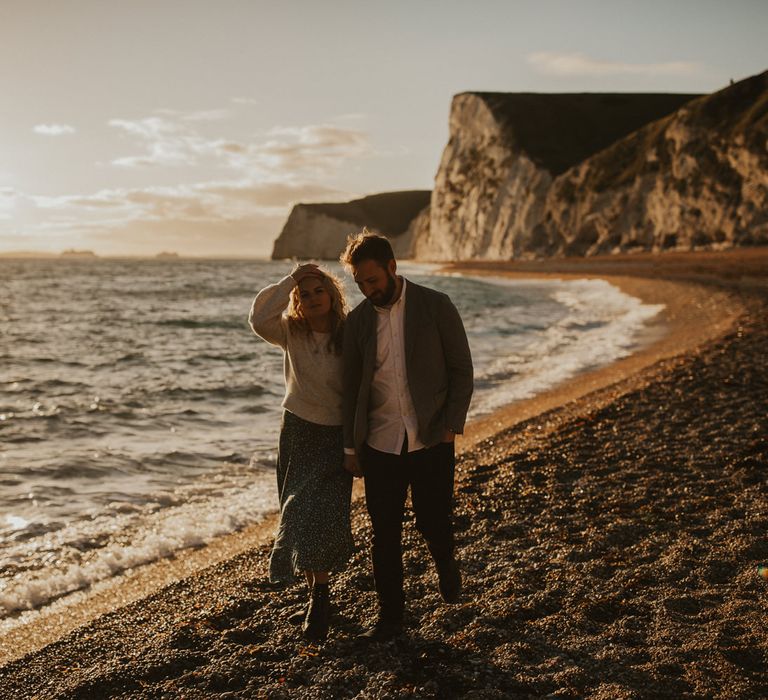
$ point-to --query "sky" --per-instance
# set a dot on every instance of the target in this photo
(193, 126)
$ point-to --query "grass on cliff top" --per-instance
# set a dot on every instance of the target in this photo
(735, 113)
(558, 131)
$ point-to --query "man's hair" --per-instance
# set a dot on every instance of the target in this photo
(366, 246)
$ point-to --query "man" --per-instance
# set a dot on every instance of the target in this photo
(407, 387)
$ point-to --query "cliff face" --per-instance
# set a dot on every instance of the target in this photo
(480, 168)
(310, 233)
(527, 175)
(695, 179)
(320, 231)
(503, 154)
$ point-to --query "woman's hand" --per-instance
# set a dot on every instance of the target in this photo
(306, 270)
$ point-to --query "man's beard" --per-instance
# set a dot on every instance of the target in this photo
(385, 298)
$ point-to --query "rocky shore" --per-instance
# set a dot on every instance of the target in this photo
(610, 547)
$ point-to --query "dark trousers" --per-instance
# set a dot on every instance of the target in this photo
(429, 474)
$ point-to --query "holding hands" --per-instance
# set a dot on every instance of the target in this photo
(306, 270)
(352, 465)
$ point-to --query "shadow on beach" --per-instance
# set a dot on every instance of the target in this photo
(609, 548)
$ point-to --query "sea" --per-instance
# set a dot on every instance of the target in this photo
(139, 415)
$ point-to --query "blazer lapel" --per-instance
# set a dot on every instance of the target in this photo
(413, 318)
(368, 334)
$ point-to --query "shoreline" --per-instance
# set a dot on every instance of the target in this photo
(713, 311)
(692, 315)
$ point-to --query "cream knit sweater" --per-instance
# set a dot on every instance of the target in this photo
(313, 381)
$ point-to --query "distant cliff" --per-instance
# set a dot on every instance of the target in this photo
(527, 175)
(320, 230)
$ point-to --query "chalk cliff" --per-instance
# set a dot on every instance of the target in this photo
(530, 175)
(503, 154)
(320, 230)
(695, 179)
(527, 175)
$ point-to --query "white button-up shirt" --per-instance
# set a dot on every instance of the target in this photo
(391, 414)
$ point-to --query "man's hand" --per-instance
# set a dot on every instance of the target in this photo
(306, 270)
(351, 465)
(449, 435)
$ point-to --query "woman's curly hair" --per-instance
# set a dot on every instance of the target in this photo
(335, 290)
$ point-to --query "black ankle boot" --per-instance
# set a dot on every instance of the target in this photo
(315, 627)
(386, 628)
(299, 616)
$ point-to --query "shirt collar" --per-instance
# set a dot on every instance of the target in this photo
(399, 304)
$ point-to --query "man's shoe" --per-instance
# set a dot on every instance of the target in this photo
(449, 581)
(383, 631)
(315, 627)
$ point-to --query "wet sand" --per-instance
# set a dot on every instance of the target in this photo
(609, 532)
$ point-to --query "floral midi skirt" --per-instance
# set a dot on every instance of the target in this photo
(314, 533)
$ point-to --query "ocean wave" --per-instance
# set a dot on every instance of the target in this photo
(208, 323)
(187, 392)
(601, 326)
(91, 552)
(22, 439)
(209, 357)
(131, 357)
(219, 392)
(254, 409)
(96, 469)
(179, 458)
(54, 361)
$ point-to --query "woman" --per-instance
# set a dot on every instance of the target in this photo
(304, 314)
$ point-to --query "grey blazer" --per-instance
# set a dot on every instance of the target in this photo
(438, 365)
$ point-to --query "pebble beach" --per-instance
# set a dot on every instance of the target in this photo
(610, 533)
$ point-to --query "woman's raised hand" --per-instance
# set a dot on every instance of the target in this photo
(306, 270)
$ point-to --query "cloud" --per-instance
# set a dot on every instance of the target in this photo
(571, 64)
(243, 237)
(173, 143)
(222, 218)
(53, 129)
(229, 186)
(278, 194)
(226, 218)
(317, 147)
(166, 142)
(212, 201)
(231, 147)
(203, 115)
(249, 236)
(8, 198)
(175, 140)
(106, 199)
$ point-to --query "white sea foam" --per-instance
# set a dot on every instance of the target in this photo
(158, 463)
(602, 325)
(90, 551)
